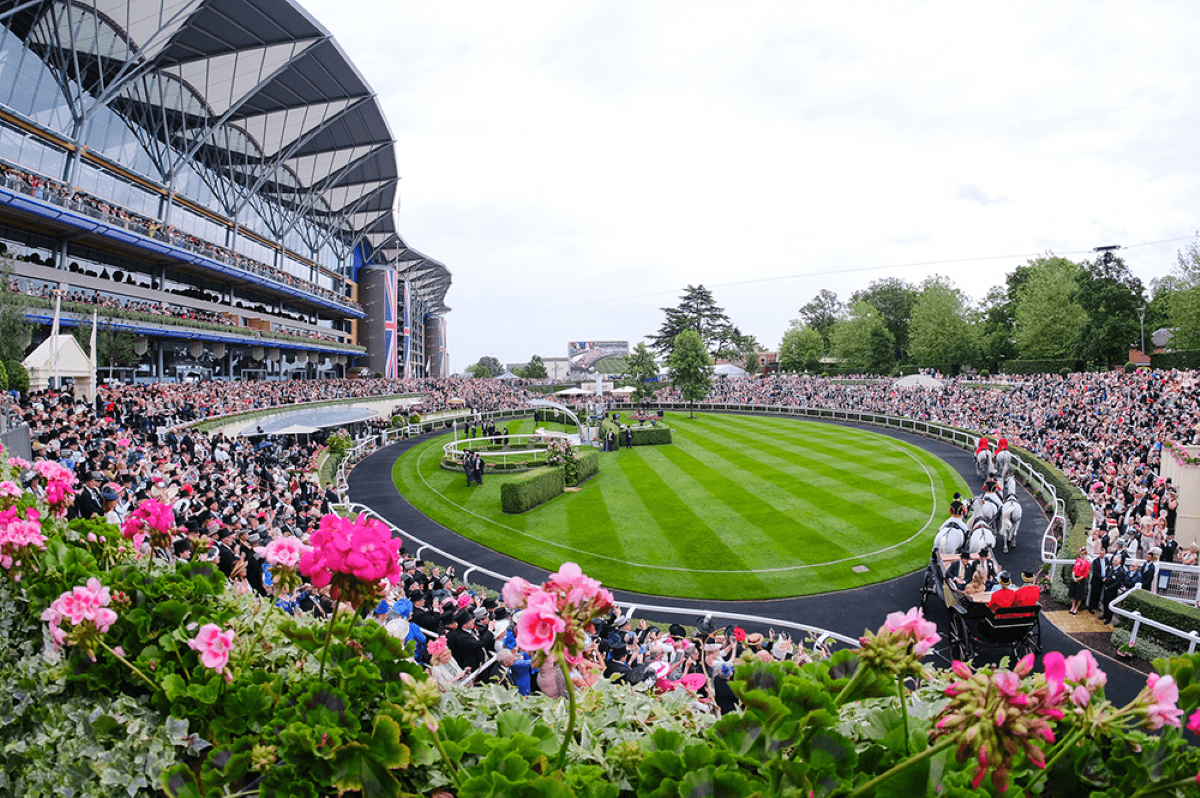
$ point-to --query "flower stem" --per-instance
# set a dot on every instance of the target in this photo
(900, 767)
(903, 711)
(562, 752)
(454, 774)
(325, 651)
(1062, 747)
(130, 665)
(1151, 789)
(859, 674)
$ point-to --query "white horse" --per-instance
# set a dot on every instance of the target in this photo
(1010, 522)
(987, 507)
(1008, 487)
(951, 536)
(981, 536)
(1002, 464)
(983, 463)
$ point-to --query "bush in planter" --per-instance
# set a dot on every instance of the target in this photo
(526, 491)
(414, 419)
(651, 436)
(1130, 366)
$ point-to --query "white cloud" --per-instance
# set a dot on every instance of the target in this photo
(576, 165)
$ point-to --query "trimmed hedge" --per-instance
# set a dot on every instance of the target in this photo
(1165, 611)
(1052, 366)
(1181, 359)
(589, 464)
(526, 491)
(651, 436)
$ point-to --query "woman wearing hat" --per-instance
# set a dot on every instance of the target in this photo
(1080, 572)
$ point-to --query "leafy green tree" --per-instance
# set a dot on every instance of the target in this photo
(863, 342)
(800, 349)
(995, 327)
(697, 310)
(488, 366)
(821, 313)
(940, 335)
(641, 373)
(894, 299)
(1180, 293)
(14, 330)
(536, 370)
(1048, 314)
(18, 377)
(751, 364)
(114, 348)
(690, 367)
(1110, 295)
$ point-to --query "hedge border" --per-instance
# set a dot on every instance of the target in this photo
(531, 489)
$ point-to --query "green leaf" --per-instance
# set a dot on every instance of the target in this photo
(206, 692)
(180, 782)
(174, 686)
(513, 722)
(366, 767)
(170, 612)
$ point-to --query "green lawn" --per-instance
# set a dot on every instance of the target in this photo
(738, 507)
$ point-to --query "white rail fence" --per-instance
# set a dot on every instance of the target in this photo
(1191, 637)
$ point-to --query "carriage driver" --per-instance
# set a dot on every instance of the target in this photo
(952, 536)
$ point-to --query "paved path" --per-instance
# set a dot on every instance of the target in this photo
(847, 612)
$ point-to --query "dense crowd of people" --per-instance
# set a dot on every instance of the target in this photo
(149, 308)
(231, 496)
(60, 194)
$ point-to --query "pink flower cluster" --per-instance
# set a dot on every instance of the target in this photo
(1157, 702)
(994, 713)
(151, 518)
(87, 609)
(285, 551)
(353, 557)
(912, 625)
(214, 646)
(20, 538)
(59, 484)
(1079, 673)
(556, 615)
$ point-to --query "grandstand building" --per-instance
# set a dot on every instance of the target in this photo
(213, 177)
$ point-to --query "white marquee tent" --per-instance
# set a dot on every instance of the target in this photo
(73, 363)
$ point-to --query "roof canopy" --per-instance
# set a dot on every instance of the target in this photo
(256, 91)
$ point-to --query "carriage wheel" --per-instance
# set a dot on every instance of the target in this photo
(929, 588)
(960, 638)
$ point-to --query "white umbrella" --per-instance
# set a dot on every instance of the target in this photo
(624, 389)
(571, 392)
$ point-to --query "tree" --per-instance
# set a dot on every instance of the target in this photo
(1111, 295)
(641, 373)
(690, 367)
(14, 330)
(1048, 314)
(536, 370)
(821, 313)
(863, 342)
(894, 299)
(800, 349)
(488, 366)
(696, 311)
(995, 330)
(1180, 294)
(751, 365)
(114, 348)
(18, 377)
(940, 335)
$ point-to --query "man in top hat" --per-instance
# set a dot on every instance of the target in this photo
(1005, 596)
(961, 571)
(465, 644)
(87, 502)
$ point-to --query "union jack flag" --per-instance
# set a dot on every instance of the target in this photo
(407, 328)
(390, 332)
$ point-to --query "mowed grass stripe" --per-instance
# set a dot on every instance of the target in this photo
(770, 536)
(830, 501)
(851, 468)
(695, 544)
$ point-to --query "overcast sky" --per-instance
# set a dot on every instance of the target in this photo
(575, 165)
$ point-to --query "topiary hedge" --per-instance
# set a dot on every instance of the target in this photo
(651, 436)
(526, 491)
(1164, 610)
(589, 465)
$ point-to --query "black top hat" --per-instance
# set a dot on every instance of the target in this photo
(1005, 578)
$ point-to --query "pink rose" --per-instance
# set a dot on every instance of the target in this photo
(214, 646)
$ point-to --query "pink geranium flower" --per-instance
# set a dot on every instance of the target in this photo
(1193, 724)
(1159, 698)
(539, 624)
(352, 555)
(283, 551)
(516, 592)
(214, 646)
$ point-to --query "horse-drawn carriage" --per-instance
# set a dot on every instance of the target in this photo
(975, 625)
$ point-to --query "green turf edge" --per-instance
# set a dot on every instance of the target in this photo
(685, 583)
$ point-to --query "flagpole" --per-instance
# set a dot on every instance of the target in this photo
(95, 372)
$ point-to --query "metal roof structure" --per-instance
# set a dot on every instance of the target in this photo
(256, 92)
